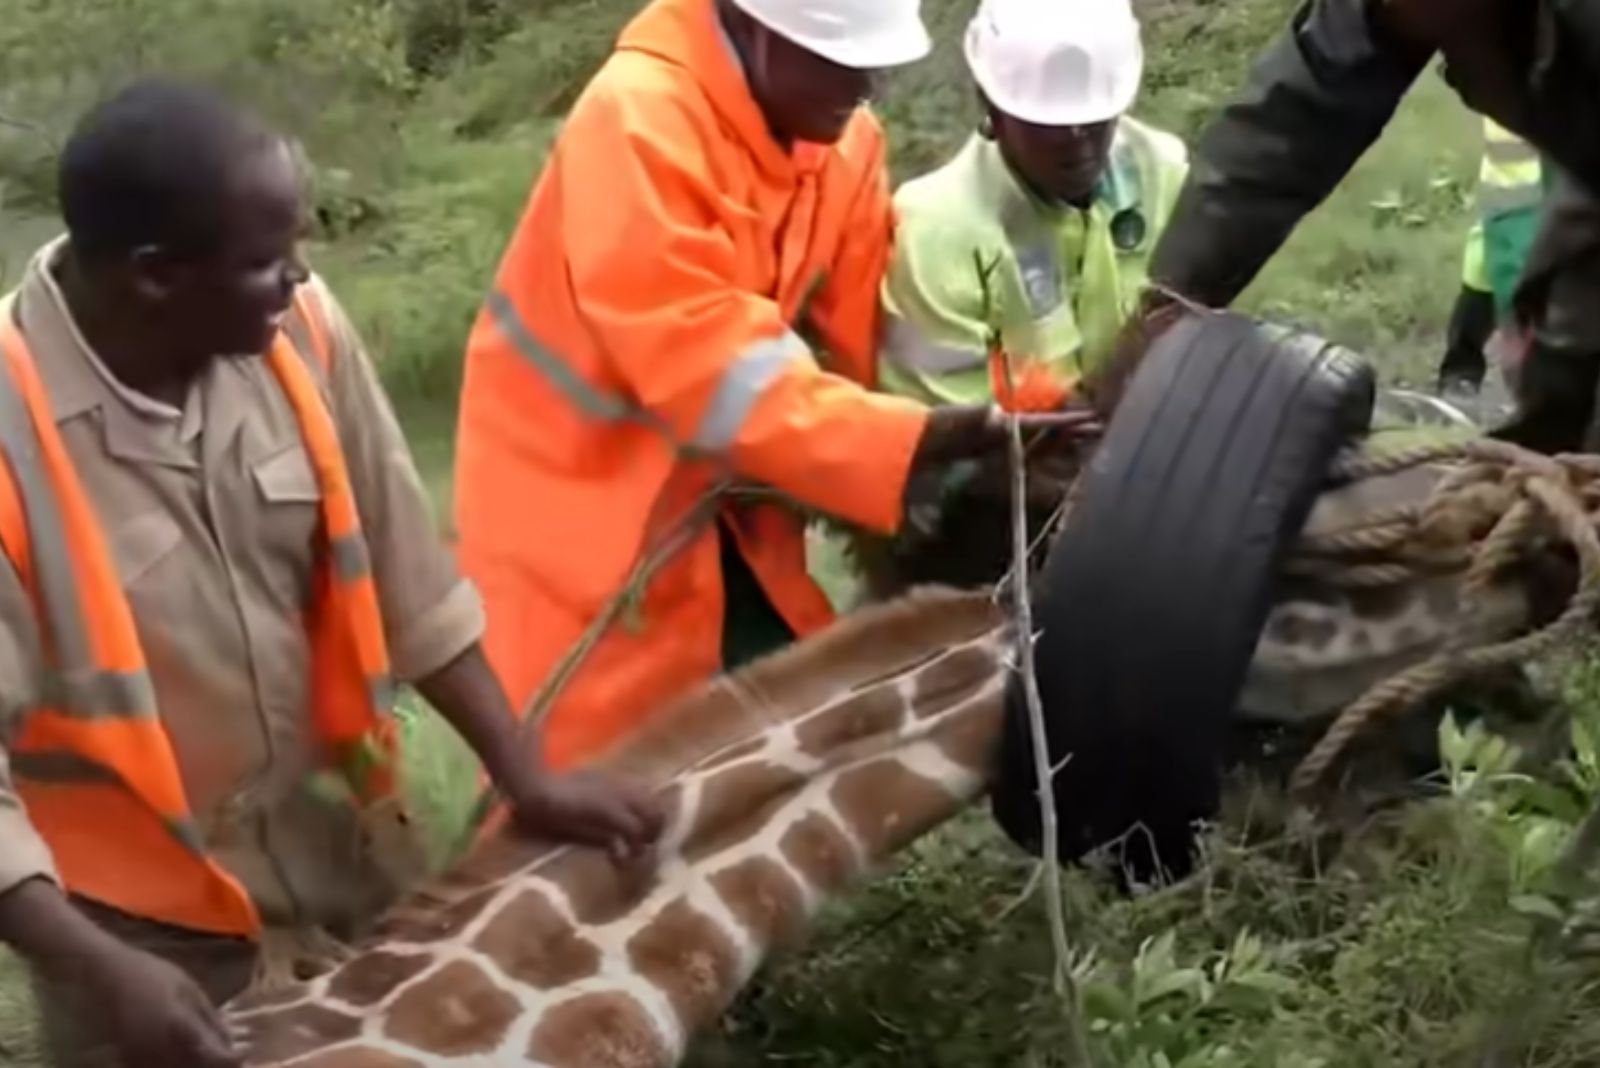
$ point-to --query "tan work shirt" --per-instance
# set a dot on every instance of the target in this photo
(211, 513)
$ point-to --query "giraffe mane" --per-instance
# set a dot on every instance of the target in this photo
(875, 641)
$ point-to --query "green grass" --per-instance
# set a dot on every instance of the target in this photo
(1400, 950)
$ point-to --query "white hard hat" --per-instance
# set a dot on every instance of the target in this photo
(862, 34)
(1057, 62)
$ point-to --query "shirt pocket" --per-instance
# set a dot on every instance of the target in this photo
(286, 477)
(287, 514)
(141, 542)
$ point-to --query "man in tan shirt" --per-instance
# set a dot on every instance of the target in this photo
(183, 217)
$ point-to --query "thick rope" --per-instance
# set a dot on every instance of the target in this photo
(1547, 501)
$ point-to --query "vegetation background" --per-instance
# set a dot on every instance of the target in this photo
(427, 121)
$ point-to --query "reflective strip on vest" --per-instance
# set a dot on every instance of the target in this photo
(86, 693)
(596, 405)
(1511, 176)
(69, 769)
(906, 348)
(63, 767)
(351, 558)
(735, 395)
(384, 693)
(1509, 150)
(47, 532)
(751, 372)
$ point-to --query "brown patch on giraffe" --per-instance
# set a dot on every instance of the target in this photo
(818, 851)
(1380, 604)
(953, 679)
(375, 975)
(454, 1012)
(533, 944)
(600, 890)
(734, 803)
(971, 736)
(495, 858)
(728, 711)
(358, 1058)
(295, 1032)
(687, 730)
(885, 805)
(1441, 601)
(1413, 635)
(691, 959)
(764, 899)
(1301, 628)
(416, 923)
(864, 715)
(601, 1030)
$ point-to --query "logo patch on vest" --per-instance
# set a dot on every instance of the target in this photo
(1128, 229)
(1041, 279)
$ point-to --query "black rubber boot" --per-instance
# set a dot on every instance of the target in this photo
(1471, 322)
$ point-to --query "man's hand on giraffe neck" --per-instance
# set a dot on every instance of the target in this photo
(588, 809)
(150, 1011)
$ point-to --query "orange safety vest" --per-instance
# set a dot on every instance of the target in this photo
(643, 340)
(92, 763)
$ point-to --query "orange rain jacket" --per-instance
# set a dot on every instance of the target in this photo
(95, 769)
(644, 339)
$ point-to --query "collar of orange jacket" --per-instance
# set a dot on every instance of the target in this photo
(690, 34)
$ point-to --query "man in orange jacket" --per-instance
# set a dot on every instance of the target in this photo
(216, 560)
(675, 362)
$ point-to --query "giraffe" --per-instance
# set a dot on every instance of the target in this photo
(784, 783)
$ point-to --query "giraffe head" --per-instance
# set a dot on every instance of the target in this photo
(783, 782)
(1323, 646)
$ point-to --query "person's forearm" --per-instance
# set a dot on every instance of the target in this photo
(469, 697)
(1315, 102)
(43, 927)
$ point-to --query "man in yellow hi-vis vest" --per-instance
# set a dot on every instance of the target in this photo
(1041, 225)
(216, 564)
(1510, 192)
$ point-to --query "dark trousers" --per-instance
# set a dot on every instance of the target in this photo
(1471, 324)
(751, 627)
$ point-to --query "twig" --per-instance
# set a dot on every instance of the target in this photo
(687, 527)
(1077, 1051)
(1066, 988)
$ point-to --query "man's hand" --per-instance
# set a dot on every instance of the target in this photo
(154, 1013)
(148, 1010)
(960, 432)
(587, 808)
(591, 809)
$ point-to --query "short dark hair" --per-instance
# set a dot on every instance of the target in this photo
(151, 165)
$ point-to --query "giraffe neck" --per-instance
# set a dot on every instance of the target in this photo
(784, 783)
(812, 768)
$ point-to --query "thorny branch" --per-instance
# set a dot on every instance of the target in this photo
(1022, 606)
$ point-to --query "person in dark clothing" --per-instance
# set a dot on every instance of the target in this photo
(1322, 94)
(1464, 366)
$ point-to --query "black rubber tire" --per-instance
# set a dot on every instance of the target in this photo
(1154, 595)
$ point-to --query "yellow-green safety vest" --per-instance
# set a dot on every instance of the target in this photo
(1511, 189)
(1062, 280)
